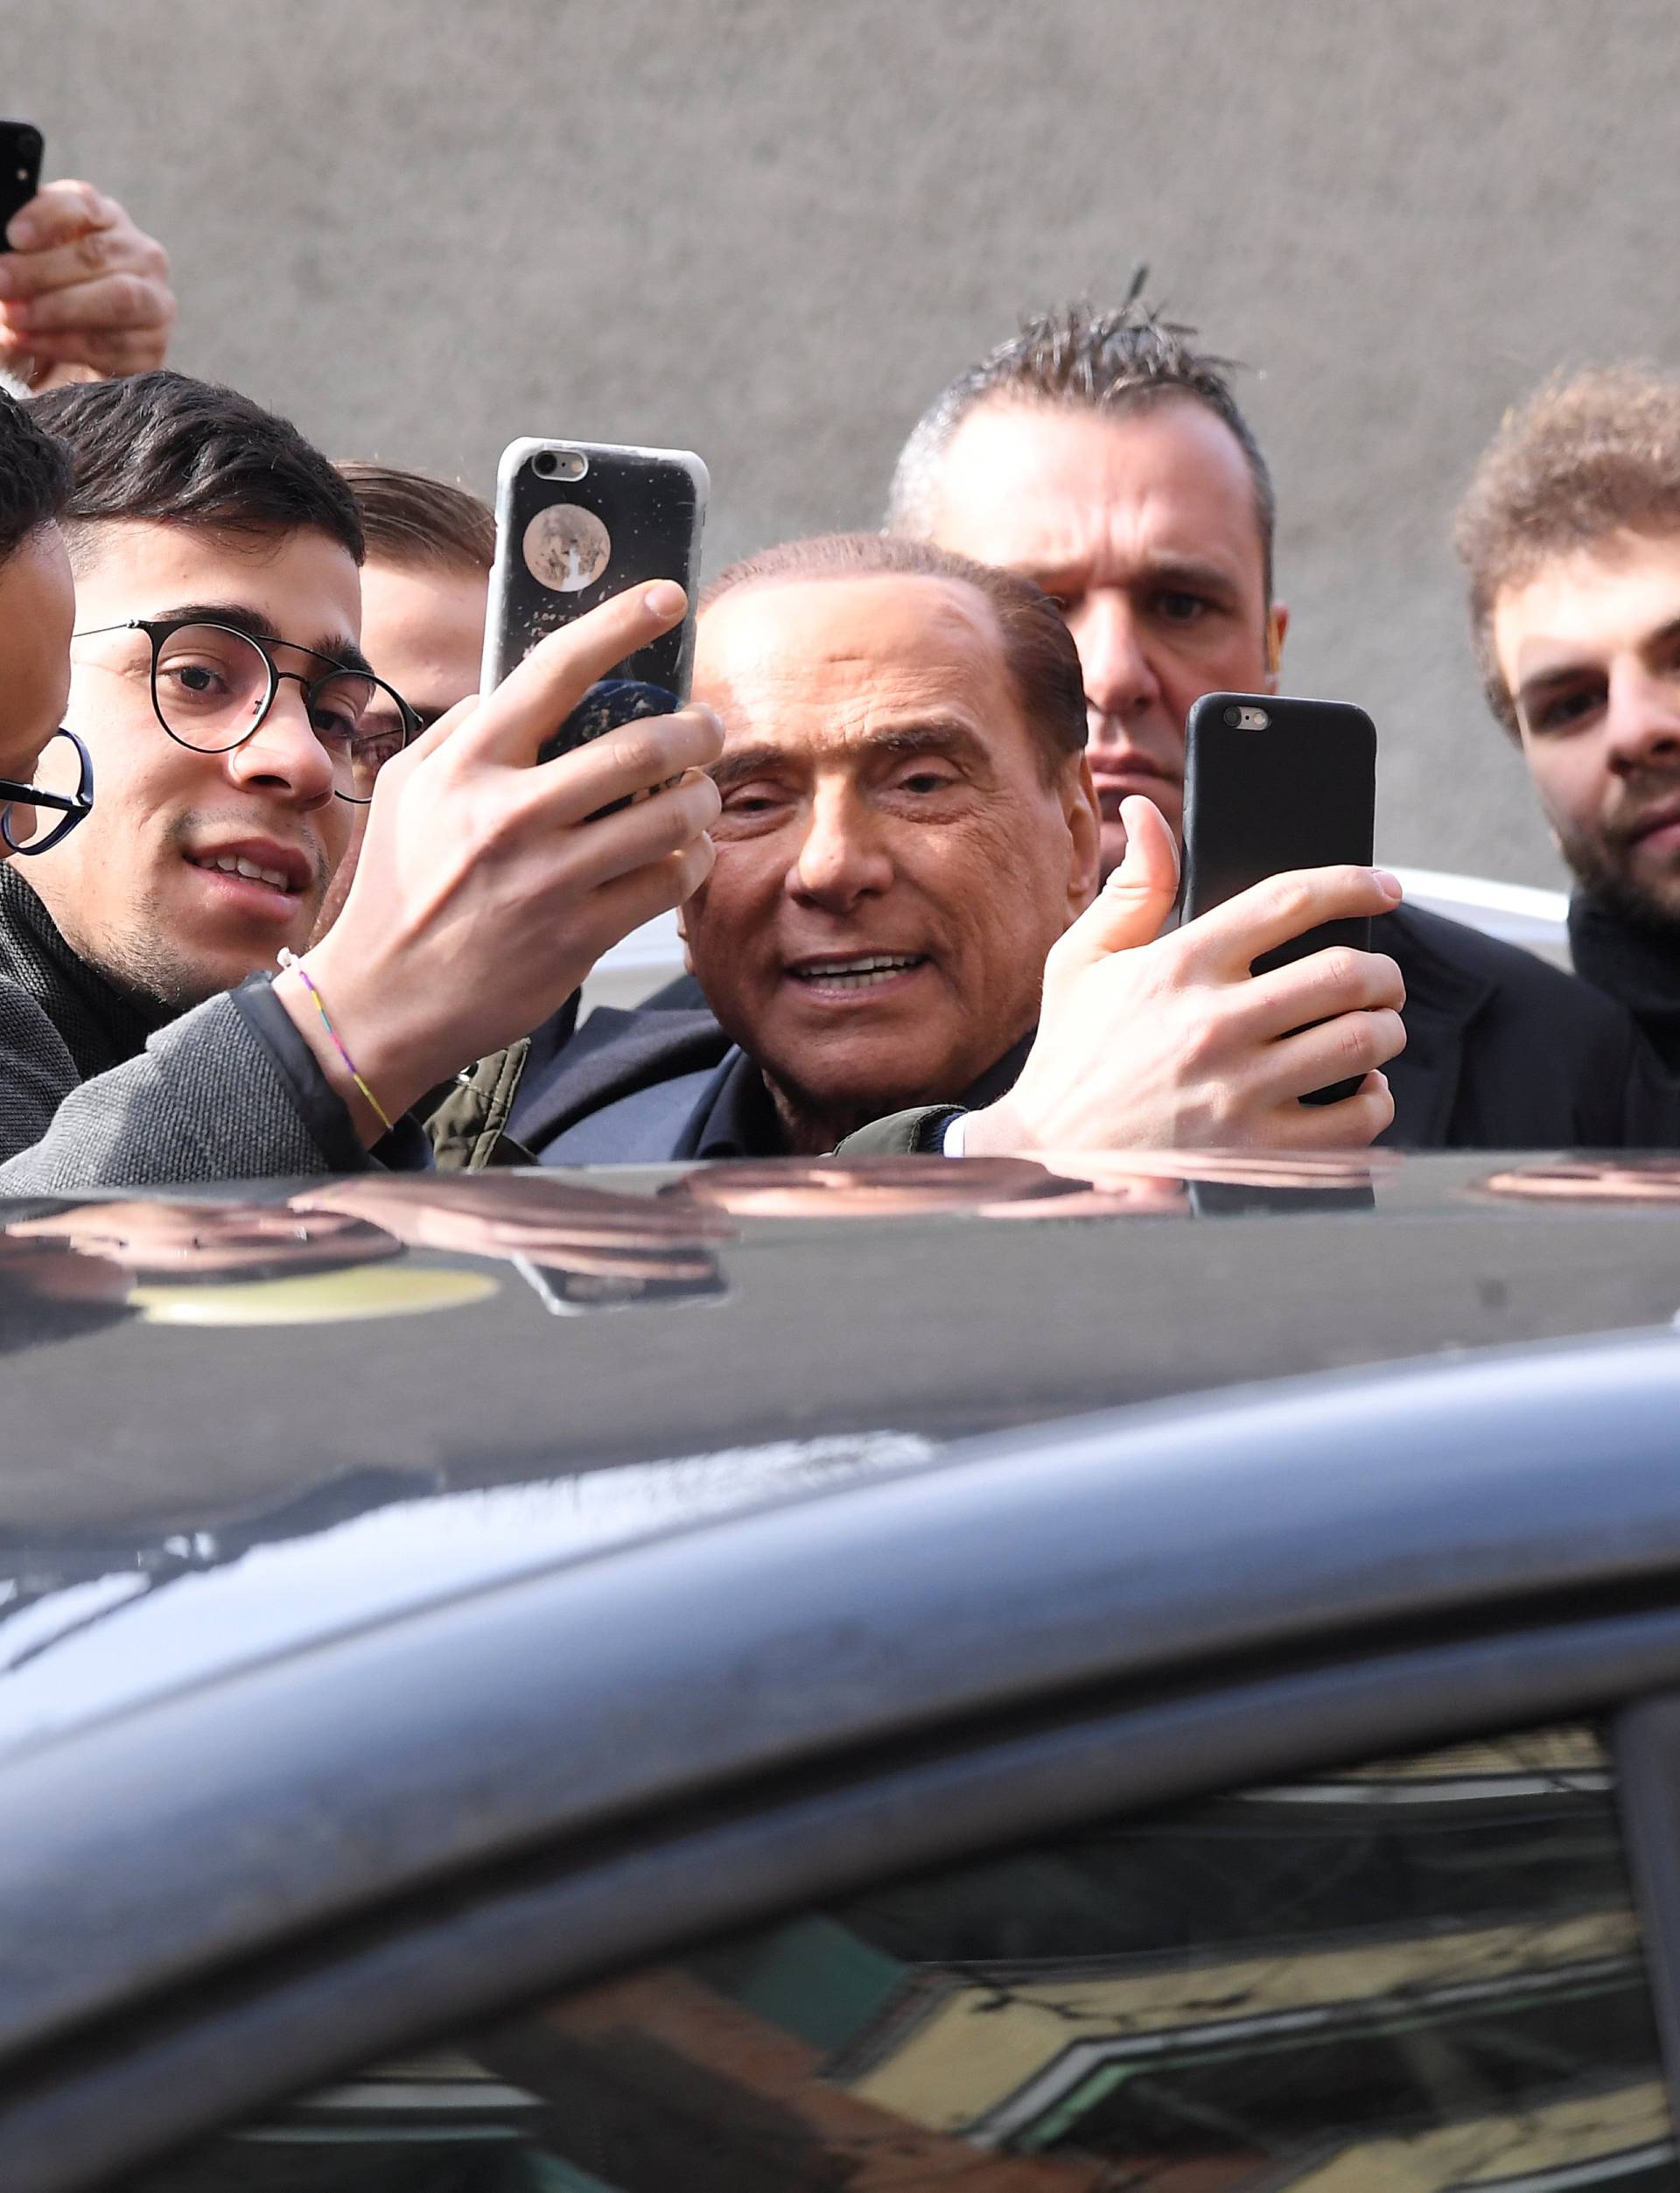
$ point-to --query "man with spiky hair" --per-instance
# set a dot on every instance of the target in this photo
(1570, 537)
(1103, 455)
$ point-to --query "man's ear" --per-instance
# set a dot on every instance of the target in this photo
(1084, 819)
(1277, 627)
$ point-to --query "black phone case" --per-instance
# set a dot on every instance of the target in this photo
(564, 545)
(20, 170)
(1299, 794)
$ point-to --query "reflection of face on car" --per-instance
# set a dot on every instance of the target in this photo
(1634, 1179)
(204, 1241)
(859, 1187)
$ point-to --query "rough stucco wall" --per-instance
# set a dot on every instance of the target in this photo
(770, 228)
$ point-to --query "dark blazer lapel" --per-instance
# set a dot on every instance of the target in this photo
(613, 1055)
(1442, 999)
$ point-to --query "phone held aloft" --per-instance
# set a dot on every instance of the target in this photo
(577, 522)
(1273, 784)
(20, 171)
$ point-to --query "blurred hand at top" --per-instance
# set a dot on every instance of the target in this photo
(84, 293)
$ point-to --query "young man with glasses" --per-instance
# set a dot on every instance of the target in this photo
(235, 729)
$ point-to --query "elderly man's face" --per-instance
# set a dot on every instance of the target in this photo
(894, 863)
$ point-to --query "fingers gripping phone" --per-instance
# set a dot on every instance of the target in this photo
(20, 171)
(576, 524)
(1271, 785)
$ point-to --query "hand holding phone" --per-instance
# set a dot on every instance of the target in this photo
(21, 148)
(1273, 785)
(484, 892)
(577, 522)
(1152, 1042)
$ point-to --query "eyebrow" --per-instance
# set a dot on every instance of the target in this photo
(933, 735)
(1187, 574)
(1557, 675)
(255, 626)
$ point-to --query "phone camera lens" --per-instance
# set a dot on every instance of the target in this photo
(546, 464)
(1234, 717)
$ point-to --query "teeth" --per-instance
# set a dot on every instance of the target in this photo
(236, 864)
(861, 973)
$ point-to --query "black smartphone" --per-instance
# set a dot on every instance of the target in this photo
(1271, 784)
(20, 171)
(576, 524)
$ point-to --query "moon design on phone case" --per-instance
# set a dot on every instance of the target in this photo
(567, 548)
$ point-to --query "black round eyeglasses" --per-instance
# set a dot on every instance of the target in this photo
(71, 807)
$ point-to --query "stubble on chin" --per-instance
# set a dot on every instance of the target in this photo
(1608, 874)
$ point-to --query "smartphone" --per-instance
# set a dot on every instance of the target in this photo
(576, 524)
(20, 171)
(1272, 784)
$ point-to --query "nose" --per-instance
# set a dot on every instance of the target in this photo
(843, 856)
(1642, 718)
(283, 754)
(1119, 677)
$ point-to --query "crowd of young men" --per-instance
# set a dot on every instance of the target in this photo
(328, 911)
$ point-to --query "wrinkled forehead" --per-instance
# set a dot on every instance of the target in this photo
(1030, 484)
(814, 658)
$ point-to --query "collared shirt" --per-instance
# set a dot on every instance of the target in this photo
(736, 1117)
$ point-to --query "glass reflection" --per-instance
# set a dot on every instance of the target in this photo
(1422, 1976)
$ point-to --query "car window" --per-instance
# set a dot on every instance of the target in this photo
(1423, 1974)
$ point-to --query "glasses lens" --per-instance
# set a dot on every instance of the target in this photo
(212, 685)
(29, 828)
(358, 722)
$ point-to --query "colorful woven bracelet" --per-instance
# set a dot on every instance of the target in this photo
(290, 959)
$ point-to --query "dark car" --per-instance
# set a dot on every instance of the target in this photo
(896, 1675)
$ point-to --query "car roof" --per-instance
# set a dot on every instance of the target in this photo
(432, 1416)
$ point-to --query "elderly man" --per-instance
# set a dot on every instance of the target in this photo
(1569, 535)
(908, 835)
(1104, 455)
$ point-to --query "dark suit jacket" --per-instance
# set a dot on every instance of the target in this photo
(1503, 1052)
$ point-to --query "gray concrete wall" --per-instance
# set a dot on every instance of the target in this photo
(770, 228)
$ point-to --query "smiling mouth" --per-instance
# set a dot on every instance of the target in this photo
(237, 865)
(866, 971)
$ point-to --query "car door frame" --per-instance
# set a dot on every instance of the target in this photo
(208, 2054)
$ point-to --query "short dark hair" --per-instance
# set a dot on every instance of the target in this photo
(419, 523)
(34, 475)
(1588, 456)
(162, 447)
(1081, 358)
(1038, 648)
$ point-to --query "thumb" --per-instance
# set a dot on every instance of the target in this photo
(1137, 898)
